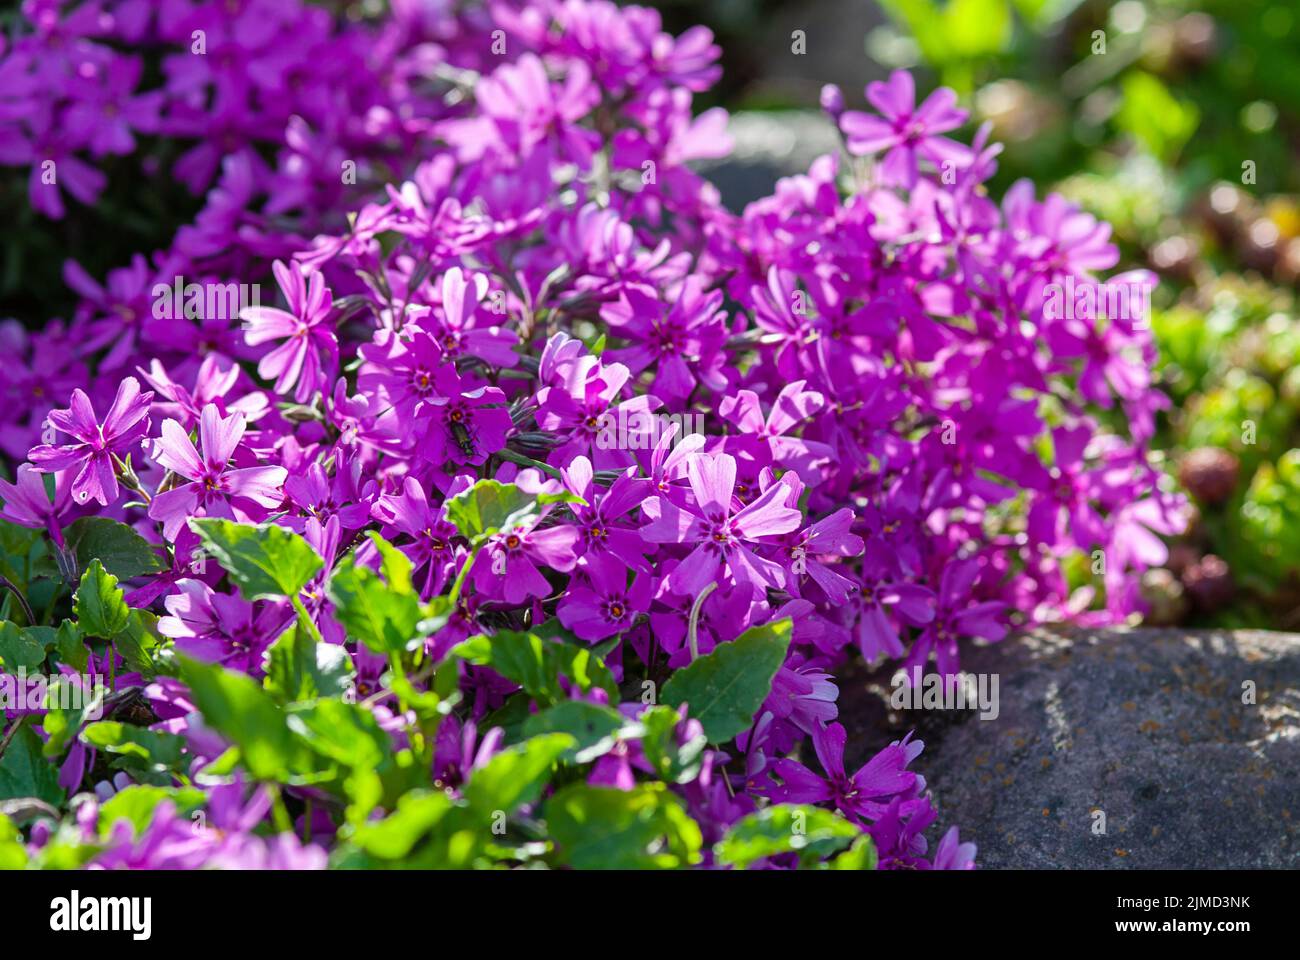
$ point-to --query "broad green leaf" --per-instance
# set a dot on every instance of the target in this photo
(13, 854)
(516, 775)
(100, 609)
(394, 564)
(265, 561)
(70, 648)
(122, 551)
(673, 762)
(861, 856)
(62, 723)
(299, 668)
(140, 644)
(20, 648)
(1158, 119)
(724, 689)
(236, 706)
(604, 828)
(595, 728)
(136, 805)
(810, 832)
(535, 663)
(24, 772)
(384, 619)
(487, 507)
(395, 836)
(148, 750)
(345, 733)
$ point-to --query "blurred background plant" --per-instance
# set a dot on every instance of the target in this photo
(1176, 120)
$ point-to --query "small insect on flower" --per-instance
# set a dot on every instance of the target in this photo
(460, 433)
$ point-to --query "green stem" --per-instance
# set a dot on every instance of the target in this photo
(523, 461)
(692, 631)
(305, 619)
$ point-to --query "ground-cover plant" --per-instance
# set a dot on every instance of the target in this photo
(530, 519)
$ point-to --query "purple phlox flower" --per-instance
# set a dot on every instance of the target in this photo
(803, 695)
(862, 796)
(461, 752)
(401, 371)
(781, 309)
(899, 833)
(827, 537)
(214, 381)
(722, 534)
(1055, 235)
(956, 617)
(213, 481)
(668, 461)
(430, 548)
(602, 603)
(508, 567)
(105, 108)
(766, 441)
(589, 416)
(222, 628)
(306, 329)
(460, 329)
(681, 342)
(91, 457)
(906, 130)
(603, 539)
(341, 494)
(522, 109)
(878, 595)
(27, 502)
(118, 310)
(1062, 509)
(952, 854)
(467, 424)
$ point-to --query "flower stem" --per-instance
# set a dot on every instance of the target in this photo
(692, 631)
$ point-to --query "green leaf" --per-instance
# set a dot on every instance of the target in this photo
(140, 643)
(122, 551)
(265, 561)
(395, 836)
(136, 804)
(516, 775)
(673, 762)
(386, 620)
(724, 689)
(394, 564)
(20, 648)
(1159, 120)
(299, 668)
(148, 750)
(861, 856)
(810, 832)
(100, 609)
(345, 733)
(594, 728)
(70, 648)
(604, 828)
(63, 723)
(533, 662)
(13, 854)
(487, 507)
(235, 705)
(24, 772)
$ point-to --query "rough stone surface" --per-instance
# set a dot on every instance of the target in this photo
(1146, 726)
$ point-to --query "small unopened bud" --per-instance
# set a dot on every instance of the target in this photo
(832, 100)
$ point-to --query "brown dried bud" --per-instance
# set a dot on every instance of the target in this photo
(1209, 583)
(1164, 596)
(1209, 474)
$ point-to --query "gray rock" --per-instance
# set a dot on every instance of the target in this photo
(1146, 726)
